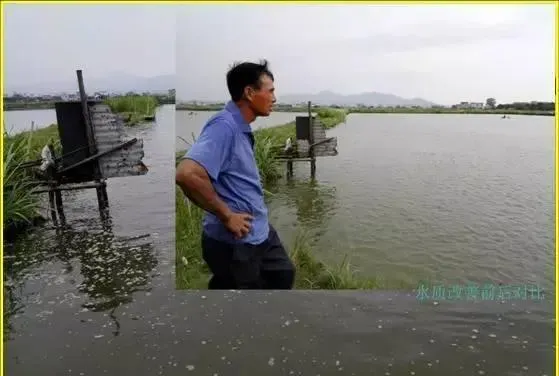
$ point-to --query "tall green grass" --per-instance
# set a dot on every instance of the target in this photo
(191, 271)
(268, 144)
(266, 160)
(330, 117)
(20, 206)
(136, 107)
(142, 104)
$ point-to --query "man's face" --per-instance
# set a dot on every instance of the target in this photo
(262, 100)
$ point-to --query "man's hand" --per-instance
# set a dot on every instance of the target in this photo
(239, 224)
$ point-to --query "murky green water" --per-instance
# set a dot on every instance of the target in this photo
(446, 198)
(98, 298)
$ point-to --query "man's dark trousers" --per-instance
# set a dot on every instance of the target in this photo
(248, 266)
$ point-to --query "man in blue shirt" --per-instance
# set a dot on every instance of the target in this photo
(220, 175)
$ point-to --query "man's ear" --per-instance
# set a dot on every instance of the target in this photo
(248, 93)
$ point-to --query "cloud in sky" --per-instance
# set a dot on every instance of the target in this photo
(49, 42)
(441, 53)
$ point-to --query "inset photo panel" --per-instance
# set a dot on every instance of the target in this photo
(363, 147)
(88, 192)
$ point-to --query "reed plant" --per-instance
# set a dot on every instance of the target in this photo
(330, 117)
(20, 206)
(135, 108)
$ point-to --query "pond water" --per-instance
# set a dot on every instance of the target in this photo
(447, 198)
(17, 121)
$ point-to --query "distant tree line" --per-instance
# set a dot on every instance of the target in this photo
(527, 106)
(19, 101)
(520, 106)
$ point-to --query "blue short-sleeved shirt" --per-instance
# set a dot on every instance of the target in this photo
(225, 148)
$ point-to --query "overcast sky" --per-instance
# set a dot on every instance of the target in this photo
(441, 53)
(49, 42)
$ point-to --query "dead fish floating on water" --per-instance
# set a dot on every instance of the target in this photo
(47, 159)
(288, 145)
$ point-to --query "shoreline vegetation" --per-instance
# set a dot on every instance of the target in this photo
(191, 271)
(21, 207)
(535, 109)
(132, 108)
(22, 102)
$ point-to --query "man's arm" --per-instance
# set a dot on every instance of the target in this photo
(202, 164)
(194, 181)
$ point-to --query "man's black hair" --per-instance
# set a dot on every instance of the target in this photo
(246, 74)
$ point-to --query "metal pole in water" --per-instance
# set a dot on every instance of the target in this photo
(289, 168)
(311, 141)
(52, 197)
(52, 208)
(102, 197)
(58, 195)
(59, 207)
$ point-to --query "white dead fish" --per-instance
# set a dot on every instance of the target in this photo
(288, 145)
(47, 158)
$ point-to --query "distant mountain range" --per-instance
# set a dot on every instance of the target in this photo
(327, 98)
(116, 82)
(367, 99)
(120, 82)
